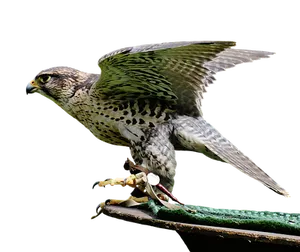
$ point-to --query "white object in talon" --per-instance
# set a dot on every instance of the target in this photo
(153, 179)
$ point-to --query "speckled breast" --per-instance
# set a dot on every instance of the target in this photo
(103, 117)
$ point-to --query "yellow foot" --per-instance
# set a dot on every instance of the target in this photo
(133, 180)
(131, 201)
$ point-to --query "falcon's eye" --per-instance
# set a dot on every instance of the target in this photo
(44, 78)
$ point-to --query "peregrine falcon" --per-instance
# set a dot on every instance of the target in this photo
(149, 98)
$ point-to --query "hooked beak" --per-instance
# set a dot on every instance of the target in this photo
(32, 87)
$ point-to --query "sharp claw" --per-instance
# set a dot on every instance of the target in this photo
(107, 202)
(94, 185)
(98, 210)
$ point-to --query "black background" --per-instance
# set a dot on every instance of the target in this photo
(63, 159)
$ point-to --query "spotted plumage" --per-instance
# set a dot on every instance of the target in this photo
(149, 99)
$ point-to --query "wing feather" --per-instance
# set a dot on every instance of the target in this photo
(176, 73)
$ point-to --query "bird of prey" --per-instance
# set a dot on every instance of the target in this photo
(149, 98)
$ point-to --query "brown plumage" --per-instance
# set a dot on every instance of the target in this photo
(149, 98)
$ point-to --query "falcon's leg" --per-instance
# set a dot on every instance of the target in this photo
(152, 148)
(137, 169)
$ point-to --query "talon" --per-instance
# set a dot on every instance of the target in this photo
(96, 209)
(94, 185)
(100, 206)
(107, 202)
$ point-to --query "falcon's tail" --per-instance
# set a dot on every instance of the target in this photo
(198, 135)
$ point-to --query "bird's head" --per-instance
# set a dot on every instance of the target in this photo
(59, 83)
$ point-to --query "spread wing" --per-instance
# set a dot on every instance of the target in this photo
(176, 73)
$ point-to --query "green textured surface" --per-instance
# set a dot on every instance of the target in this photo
(276, 222)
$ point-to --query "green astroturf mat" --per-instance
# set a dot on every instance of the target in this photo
(276, 222)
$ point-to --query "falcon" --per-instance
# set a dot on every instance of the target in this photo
(149, 98)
